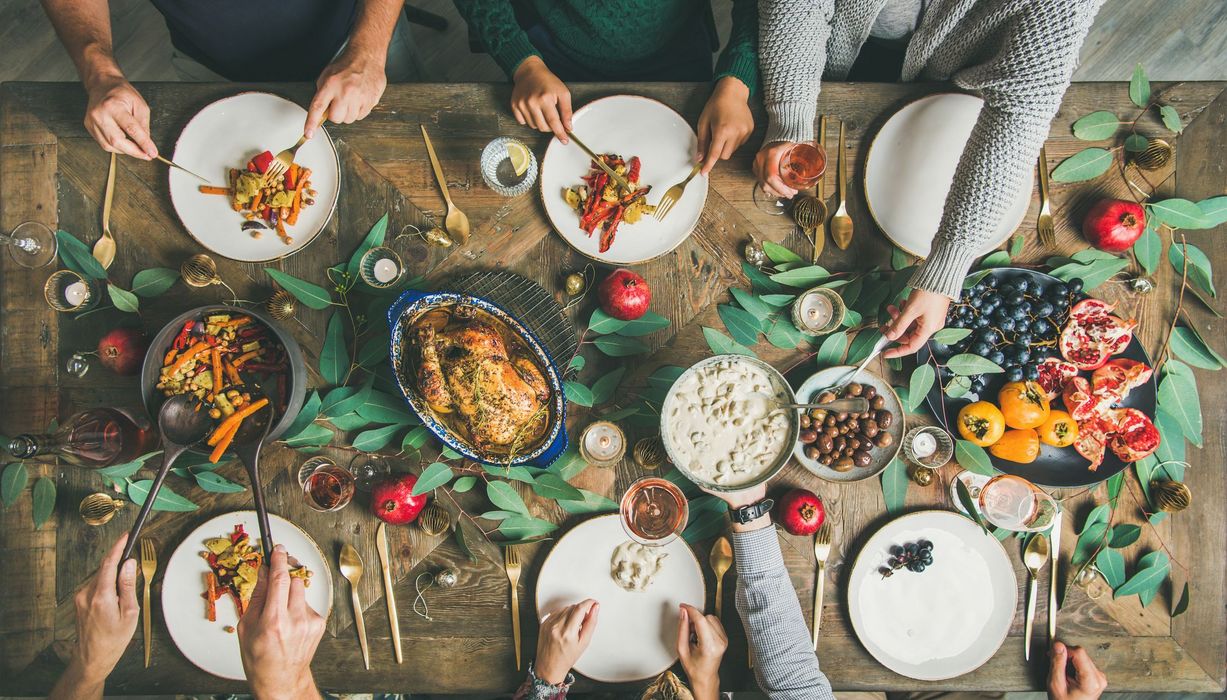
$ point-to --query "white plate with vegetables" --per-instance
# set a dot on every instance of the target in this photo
(226, 135)
(628, 126)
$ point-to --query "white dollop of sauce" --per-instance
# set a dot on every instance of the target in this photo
(634, 566)
(723, 428)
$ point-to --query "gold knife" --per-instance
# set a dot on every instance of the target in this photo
(601, 163)
(173, 164)
(381, 544)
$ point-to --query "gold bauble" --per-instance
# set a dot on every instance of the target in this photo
(437, 237)
(99, 508)
(1157, 154)
(1170, 496)
(280, 305)
(922, 476)
(574, 284)
(649, 453)
(434, 519)
(199, 271)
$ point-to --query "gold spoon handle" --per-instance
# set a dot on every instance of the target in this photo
(434, 164)
(106, 201)
(841, 176)
(720, 597)
(1030, 624)
(360, 623)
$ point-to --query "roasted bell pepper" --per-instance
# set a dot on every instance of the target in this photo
(261, 161)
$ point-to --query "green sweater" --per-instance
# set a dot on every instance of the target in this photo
(591, 31)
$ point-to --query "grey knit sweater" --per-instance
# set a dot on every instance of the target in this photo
(1018, 55)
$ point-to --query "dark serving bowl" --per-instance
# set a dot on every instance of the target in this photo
(296, 378)
(1055, 466)
(401, 316)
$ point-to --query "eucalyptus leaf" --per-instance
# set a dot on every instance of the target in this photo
(1182, 604)
(577, 363)
(862, 345)
(337, 397)
(373, 238)
(521, 526)
(741, 325)
(154, 281)
(1114, 483)
(1171, 433)
(550, 485)
(216, 483)
(721, 344)
(1189, 346)
(1136, 143)
(756, 307)
(973, 458)
(514, 472)
(1084, 165)
(123, 299)
(569, 464)
(1096, 126)
(783, 334)
(314, 435)
(374, 350)
(1112, 565)
(919, 385)
(899, 258)
(1178, 397)
(166, 499)
(1171, 118)
(503, 495)
(894, 485)
(1149, 248)
(969, 504)
(1139, 87)
(1143, 469)
(1177, 212)
(704, 526)
(432, 477)
(604, 388)
(42, 501)
(759, 281)
(807, 276)
(1200, 271)
(620, 346)
(601, 322)
(1089, 542)
(350, 403)
(831, 351)
(778, 254)
(589, 503)
(950, 336)
(957, 387)
(966, 364)
(1151, 573)
(778, 300)
(377, 439)
(309, 412)
(649, 322)
(664, 376)
(311, 295)
(1088, 255)
(1124, 535)
(77, 256)
(116, 472)
(1213, 210)
(385, 408)
(998, 258)
(464, 484)
(577, 393)
(415, 439)
(334, 356)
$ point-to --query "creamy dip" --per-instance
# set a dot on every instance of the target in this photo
(634, 566)
(722, 425)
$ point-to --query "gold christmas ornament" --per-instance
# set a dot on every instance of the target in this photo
(667, 687)
(280, 305)
(447, 578)
(754, 254)
(649, 453)
(437, 237)
(1157, 154)
(922, 476)
(99, 508)
(199, 271)
(574, 284)
(1141, 285)
(1170, 496)
(434, 520)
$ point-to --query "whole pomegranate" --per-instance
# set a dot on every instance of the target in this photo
(122, 350)
(624, 295)
(1113, 225)
(393, 502)
(800, 512)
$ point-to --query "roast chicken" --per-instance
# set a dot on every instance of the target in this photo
(499, 397)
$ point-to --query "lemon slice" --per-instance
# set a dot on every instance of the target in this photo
(519, 156)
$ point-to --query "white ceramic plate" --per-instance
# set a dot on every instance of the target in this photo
(226, 134)
(945, 621)
(627, 125)
(808, 392)
(205, 643)
(911, 166)
(636, 633)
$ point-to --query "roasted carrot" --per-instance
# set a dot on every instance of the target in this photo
(232, 374)
(211, 597)
(218, 378)
(296, 205)
(255, 201)
(170, 357)
(234, 202)
(213, 189)
(219, 435)
(187, 356)
(237, 417)
(222, 445)
(250, 355)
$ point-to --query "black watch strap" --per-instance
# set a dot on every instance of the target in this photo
(752, 512)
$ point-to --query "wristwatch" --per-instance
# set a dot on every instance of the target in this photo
(752, 512)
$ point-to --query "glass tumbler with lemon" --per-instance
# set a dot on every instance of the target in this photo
(508, 166)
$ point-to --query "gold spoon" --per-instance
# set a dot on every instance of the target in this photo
(456, 223)
(721, 560)
(351, 569)
(841, 223)
(1035, 556)
(104, 248)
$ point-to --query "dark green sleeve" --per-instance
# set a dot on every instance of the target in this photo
(493, 22)
(740, 56)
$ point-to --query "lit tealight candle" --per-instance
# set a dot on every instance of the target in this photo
(76, 293)
(923, 445)
(385, 270)
(603, 443)
(816, 310)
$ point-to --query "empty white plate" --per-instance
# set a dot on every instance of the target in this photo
(226, 134)
(944, 621)
(627, 125)
(912, 163)
(636, 632)
(207, 644)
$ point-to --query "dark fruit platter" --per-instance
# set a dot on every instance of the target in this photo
(1016, 319)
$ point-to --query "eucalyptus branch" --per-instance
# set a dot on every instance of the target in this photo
(1184, 283)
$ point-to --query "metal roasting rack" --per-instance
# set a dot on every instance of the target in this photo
(531, 304)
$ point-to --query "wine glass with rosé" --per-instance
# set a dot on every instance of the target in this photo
(654, 511)
(800, 167)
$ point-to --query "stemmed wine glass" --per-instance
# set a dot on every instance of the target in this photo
(654, 511)
(31, 244)
(800, 167)
(1013, 503)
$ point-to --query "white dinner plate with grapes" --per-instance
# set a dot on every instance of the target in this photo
(636, 632)
(944, 621)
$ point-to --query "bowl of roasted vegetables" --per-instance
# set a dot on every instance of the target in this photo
(235, 362)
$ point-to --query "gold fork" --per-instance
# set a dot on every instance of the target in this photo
(149, 565)
(511, 561)
(283, 161)
(822, 550)
(1043, 225)
(673, 194)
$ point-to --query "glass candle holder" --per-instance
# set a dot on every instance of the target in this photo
(70, 293)
(380, 267)
(928, 446)
(499, 173)
(818, 311)
(602, 444)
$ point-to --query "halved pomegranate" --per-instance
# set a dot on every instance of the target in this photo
(1078, 399)
(1118, 377)
(1054, 372)
(1092, 440)
(1135, 435)
(1094, 334)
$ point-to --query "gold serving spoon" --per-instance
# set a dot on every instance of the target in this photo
(104, 248)
(1034, 558)
(456, 223)
(721, 560)
(351, 569)
(841, 223)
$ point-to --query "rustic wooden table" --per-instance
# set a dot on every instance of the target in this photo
(52, 171)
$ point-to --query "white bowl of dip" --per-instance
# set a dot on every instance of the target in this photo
(721, 431)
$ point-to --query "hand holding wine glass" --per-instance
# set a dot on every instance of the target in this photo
(783, 168)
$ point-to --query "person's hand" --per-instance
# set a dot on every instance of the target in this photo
(107, 613)
(540, 99)
(563, 639)
(118, 118)
(348, 89)
(767, 168)
(701, 643)
(725, 124)
(279, 633)
(922, 315)
(1073, 676)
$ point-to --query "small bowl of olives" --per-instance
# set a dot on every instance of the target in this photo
(849, 446)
